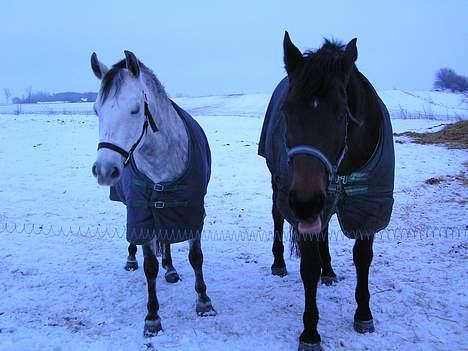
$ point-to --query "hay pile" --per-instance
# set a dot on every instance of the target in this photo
(455, 136)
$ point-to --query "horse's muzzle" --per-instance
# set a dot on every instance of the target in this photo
(106, 174)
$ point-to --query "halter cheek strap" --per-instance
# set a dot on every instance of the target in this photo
(149, 120)
(331, 168)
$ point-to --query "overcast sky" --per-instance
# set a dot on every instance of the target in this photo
(217, 47)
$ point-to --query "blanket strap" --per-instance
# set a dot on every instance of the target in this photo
(158, 204)
(350, 185)
(159, 187)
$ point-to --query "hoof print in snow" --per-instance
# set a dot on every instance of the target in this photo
(205, 309)
(363, 327)
(150, 347)
(303, 346)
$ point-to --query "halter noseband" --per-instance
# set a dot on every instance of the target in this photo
(149, 120)
(331, 168)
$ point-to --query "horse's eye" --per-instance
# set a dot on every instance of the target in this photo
(135, 110)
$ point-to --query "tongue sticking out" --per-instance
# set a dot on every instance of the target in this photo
(310, 227)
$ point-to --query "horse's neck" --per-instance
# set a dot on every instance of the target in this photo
(363, 139)
(163, 154)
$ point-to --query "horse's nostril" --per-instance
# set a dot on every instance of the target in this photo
(115, 173)
(94, 170)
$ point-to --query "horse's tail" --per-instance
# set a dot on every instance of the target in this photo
(293, 242)
(294, 238)
(159, 248)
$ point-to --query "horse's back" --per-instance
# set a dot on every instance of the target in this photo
(272, 146)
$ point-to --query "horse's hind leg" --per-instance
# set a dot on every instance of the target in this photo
(362, 256)
(279, 266)
(151, 267)
(171, 274)
(328, 276)
(204, 307)
(132, 263)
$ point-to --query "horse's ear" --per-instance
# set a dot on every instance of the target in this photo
(350, 56)
(292, 56)
(99, 69)
(132, 63)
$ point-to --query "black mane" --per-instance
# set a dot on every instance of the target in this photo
(320, 69)
(114, 77)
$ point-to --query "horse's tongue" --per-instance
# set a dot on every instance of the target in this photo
(314, 227)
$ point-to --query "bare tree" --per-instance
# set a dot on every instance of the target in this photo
(7, 94)
(448, 79)
(28, 94)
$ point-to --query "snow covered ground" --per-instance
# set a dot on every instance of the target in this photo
(401, 104)
(63, 287)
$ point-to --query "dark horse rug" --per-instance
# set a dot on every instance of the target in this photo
(363, 200)
(172, 211)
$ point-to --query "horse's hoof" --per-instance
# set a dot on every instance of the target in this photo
(329, 280)
(152, 328)
(131, 265)
(303, 346)
(172, 276)
(279, 271)
(205, 309)
(364, 326)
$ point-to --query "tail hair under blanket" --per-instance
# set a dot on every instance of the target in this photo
(295, 238)
(294, 242)
(159, 248)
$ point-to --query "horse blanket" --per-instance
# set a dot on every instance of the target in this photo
(171, 211)
(363, 200)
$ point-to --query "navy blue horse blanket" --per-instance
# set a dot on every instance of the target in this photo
(363, 200)
(171, 211)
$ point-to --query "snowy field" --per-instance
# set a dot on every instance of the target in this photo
(401, 104)
(62, 282)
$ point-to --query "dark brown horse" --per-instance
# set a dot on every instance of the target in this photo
(327, 139)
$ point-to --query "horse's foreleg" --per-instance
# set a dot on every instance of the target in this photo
(362, 256)
(151, 266)
(310, 274)
(132, 263)
(328, 276)
(171, 274)
(203, 306)
(279, 266)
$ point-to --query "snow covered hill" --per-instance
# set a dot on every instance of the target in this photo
(401, 104)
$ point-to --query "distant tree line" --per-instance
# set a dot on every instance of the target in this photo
(43, 96)
(448, 79)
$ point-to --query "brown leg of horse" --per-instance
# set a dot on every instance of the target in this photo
(151, 266)
(132, 263)
(204, 308)
(328, 276)
(310, 274)
(279, 266)
(362, 256)
(171, 274)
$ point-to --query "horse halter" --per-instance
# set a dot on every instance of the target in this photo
(331, 168)
(149, 120)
